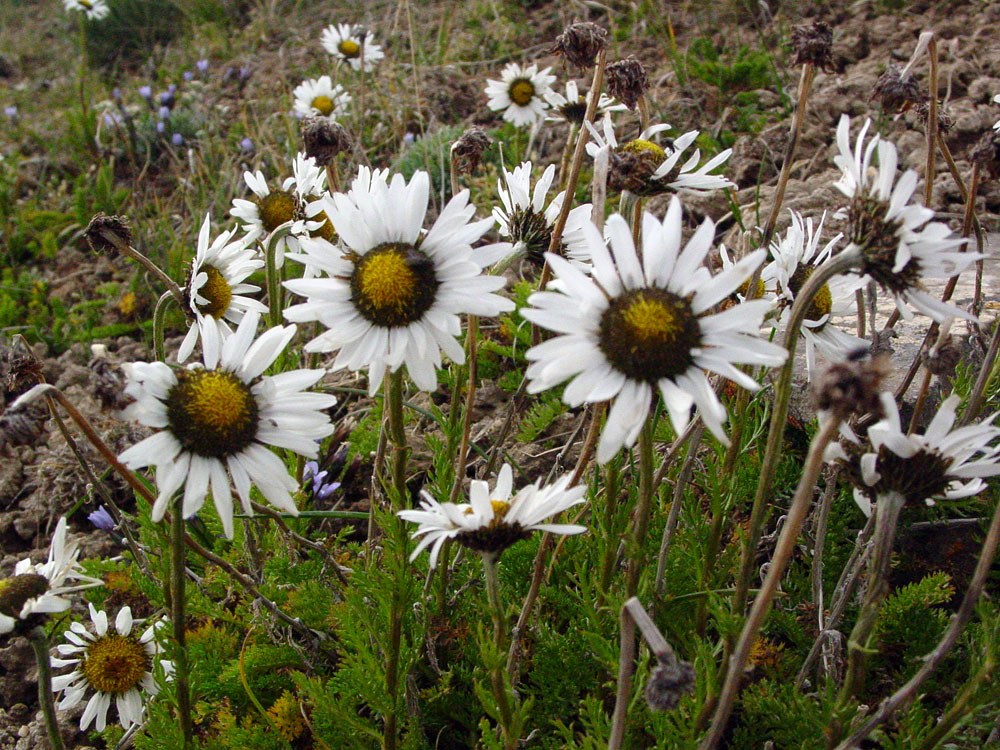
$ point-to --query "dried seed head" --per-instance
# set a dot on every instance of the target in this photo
(986, 153)
(852, 386)
(668, 682)
(897, 91)
(324, 139)
(942, 358)
(945, 121)
(107, 381)
(23, 371)
(105, 232)
(627, 81)
(467, 151)
(580, 43)
(811, 43)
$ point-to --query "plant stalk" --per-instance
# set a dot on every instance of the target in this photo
(40, 645)
(178, 619)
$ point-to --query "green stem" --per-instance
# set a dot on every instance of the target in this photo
(611, 476)
(159, 315)
(40, 644)
(397, 497)
(887, 509)
(497, 680)
(838, 264)
(177, 616)
(273, 276)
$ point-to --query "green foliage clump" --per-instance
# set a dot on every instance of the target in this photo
(134, 28)
(745, 70)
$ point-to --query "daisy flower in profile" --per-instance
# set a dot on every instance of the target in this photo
(39, 588)
(217, 421)
(215, 290)
(492, 521)
(392, 295)
(345, 43)
(274, 211)
(573, 106)
(527, 222)
(319, 96)
(643, 167)
(796, 256)
(634, 328)
(521, 93)
(94, 10)
(941, 464)
(114, 663)
(899, 244)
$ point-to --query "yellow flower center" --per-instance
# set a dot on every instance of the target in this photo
(349, 49)
(86, 4)
(323, 104)
(521, 91)
(822, 303)
(17, 590)
(217, 291)
(277, 208)
(649, 334)
(212, 413)
(115, 663)
(393, 284)
(327, 232)
(640, 146)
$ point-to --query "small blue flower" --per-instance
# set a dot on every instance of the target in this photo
(202, 65)
(160, 127)
(102, 519)
(164, 113)
(171, 90)
(11, 112)
(188, 75)
(146, 92)
(177, 139)
(247, 145)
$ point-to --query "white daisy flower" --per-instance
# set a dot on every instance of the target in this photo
(637, 327)
(491, 521)
(646, 168)
(996, 125)
(795, 258)
(113, 663)
(36, 589)
(94, 10)
(393, 294)
(215, 290)
(899, 247)
(344, 42)
(572, 107)
(288, 207)
(522, 93)
(217, 422)
(526, 221)
(319, 96)
(941, 464)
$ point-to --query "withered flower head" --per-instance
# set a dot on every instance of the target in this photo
(852, 386)
(942, 358)
(580, 43)
(108, 381)
(986, 153)
(324, 139)
(23, 371)
(627, 81)
(468, 150)
(811, 43)
(105, 232)
(670, 679)
(897, 91)
(945, 121)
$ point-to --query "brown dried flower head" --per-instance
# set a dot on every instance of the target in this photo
(107, 380)
(23, 371)
(811, 43)
(324, 139)
(580, 43)
(897, 91)
(853, 385)
(945, 121)
(627, 81)
(669, 681)
(467, 151)
(986, 153)
(104, 233)
(942, 358)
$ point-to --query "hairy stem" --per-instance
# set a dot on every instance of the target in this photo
(40, 645)
(178, 620)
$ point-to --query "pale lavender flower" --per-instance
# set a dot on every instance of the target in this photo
(146, 92)
(177, 139)
(202, 65)
(102, 519)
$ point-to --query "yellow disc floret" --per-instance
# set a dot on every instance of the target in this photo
(212, 412)
(217, 291)
(521, 91)
(640, 146)
(349, 49)
(393, 284)
(323, 104)
(115, 663)
(276, 208)
(17, 590)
